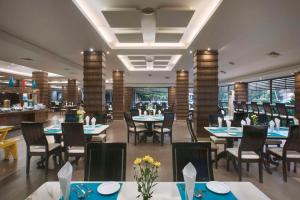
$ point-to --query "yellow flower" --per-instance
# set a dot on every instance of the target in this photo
(137, 161)
(157, 164)
(147, 158)
(151, 160)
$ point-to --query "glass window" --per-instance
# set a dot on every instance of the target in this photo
(283, 90)
(259, 91)
(191, 98)
(150, 95)
(224, 94)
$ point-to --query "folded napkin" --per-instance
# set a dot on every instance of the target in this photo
(228, 124)
(272, 124)
(220, 120)
(248, 120)
(65, 177)
(87, 120)
(93, 122)
(243, 122)
(277, 123)
(296, 121)
(189, 175)
(140, 112)
(159, 112)
(222, 112)
(145, 112)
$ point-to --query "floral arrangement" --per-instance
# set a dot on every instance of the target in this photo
(254, 119)
(145, 173)
(80, 114)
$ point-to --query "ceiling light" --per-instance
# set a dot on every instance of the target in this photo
(273, 54)
(81, 52)
(231, 63)
(223, 72)
(107, 52)
(91, 49)
(27, 59)
(208, 49)
(191, 51)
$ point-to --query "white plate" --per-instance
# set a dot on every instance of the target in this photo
(108, 188)
(218, 187)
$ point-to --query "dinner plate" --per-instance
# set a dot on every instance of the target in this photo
(108, 188)
(218, 187)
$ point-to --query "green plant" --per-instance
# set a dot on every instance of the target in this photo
(254, 119)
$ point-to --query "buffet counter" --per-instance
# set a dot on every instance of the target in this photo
(14, 118)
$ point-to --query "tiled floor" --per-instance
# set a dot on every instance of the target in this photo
(15, 185)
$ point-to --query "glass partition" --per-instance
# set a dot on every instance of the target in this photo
(259, 91)
(151, 95)
(283, 90)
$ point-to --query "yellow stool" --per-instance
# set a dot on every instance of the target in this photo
(10, 147)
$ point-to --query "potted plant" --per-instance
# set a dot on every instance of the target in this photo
(254, 119)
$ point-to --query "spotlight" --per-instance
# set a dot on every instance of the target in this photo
(91, 49)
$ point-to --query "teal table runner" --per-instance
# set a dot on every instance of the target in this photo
(93, 195)
(88, 129)
(207, 194)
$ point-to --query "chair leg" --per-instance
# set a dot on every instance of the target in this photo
(162, 139)
(28, 157)
(240, 169)
(288, 166)
(260, 171)
(227, 161)
(284, 172)
(127, 137)
(171, 138)
(216, 159)
(60, 158)
(66, 156)
(135, 138)
(248, 167)
(295, 167)
(47, 164)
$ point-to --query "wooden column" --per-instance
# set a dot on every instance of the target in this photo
(118, 94)
(128, 97)
(94, 82)
(72, 91)
(241, 92)
(171, 96)
(182, 94)
(205, 89)
(41, 79)
(297, 95)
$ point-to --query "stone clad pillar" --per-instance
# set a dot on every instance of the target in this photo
(41, 79)
(182, 94)
(94, 82)
(205, 88)
(118, 94)
(297, 95)
(241, 91)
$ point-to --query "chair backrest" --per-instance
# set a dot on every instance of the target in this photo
(254, 107)
(293, 141)
(71, 117)
(101, 117)
(198, 153)
(213, 120)
(267, 107)
(128, 119)
(33, 133)
(105, 162)
(281, 109)
(73, 134)
(244, 106)
(168, 120)
(236, 105)
(189, 123)
(254, 138)
(134, 112)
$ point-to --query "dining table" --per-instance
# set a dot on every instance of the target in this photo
(162, 191)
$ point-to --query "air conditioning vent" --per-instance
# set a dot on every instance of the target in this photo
(274, 54)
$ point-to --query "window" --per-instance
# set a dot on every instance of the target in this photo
(148, 95)
(224, 92)
(283, 90)
(191, 98)
(259, 91)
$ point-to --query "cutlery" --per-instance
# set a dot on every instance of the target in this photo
(88, 189)
(199, 193)
(79, 195)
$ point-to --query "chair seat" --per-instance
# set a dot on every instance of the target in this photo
(137, 129)
(76, 150)
(99, 138)
(42, 149)
(218, 140)
(289, 154)
(273, 142)
(158, 130)
(245, 154)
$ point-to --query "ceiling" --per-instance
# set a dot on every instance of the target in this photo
(53, 33)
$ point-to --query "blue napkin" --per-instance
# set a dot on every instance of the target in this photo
(93, 195)
(207, 194)
(51, 131)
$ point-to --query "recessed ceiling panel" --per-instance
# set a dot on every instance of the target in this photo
(159, 66)
(138, 63)
(123, 18)
(161, 62)
(167, 57)
(130, 38)
(137, 57)
(173, 17)
(168, 37)
(140, 67)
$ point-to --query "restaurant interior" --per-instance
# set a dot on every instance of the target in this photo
(149, 100)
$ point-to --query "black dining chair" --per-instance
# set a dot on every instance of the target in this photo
(134, 112)
(132, 128)
(199, 154)
(194, 138)
(74, 140)
(250, 149)
(37, 144)
(284, 115)
(290, 151)
(101, 118)
(71, 117)
(166, 128)
(105, 162)
(245, 109)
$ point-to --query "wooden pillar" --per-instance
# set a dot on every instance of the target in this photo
(297, 95)
(241, 92)
(41, 79)
(171, 96)
(205, 89)
(72, 91)
(182, 94)
(94, 82)
(118, 94)
(128, 97)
